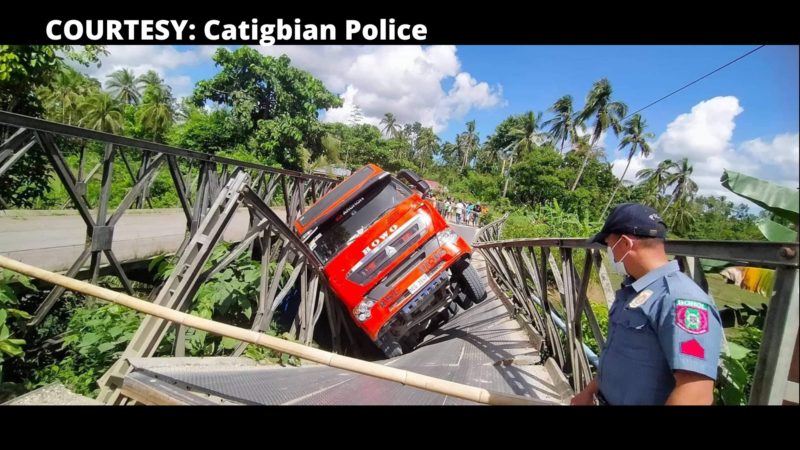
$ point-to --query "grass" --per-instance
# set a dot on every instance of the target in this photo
(723, 294)
(730, 295)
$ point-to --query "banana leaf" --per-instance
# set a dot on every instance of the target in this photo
(775, 232)
(780, 200)
(713, 265)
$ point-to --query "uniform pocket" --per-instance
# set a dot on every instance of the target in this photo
(636, 339)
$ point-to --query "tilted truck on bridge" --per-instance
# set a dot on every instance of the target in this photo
(390, 257)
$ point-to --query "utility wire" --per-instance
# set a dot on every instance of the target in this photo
(695, 81)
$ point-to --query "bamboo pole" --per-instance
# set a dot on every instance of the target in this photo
(405, 377)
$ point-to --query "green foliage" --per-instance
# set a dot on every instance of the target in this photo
(548, 220)
(268, 356)
(96, 337)
(9, 313)
(274, 105)
(601, 314)
(209, 132)
(476, 186)
(24, 69)
(539, 177)
(717, 217)
(156, 114)
(229, 296)
(737, 367)
(161, 192)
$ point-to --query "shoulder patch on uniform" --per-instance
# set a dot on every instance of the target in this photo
(640, 299)
(691, 316)
(693, 348)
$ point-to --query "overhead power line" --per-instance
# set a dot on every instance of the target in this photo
(695, 81)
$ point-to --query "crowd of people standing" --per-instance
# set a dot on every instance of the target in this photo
(458, 211)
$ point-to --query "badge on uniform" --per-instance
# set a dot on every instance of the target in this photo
(691, 316)
(640, 299)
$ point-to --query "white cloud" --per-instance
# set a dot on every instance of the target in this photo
(141, 58)
(637, 163)
(704, 136)
(601, 141)
(404, 80)
(182, 85)
(783, 152)
(409, 81)
(703, 132)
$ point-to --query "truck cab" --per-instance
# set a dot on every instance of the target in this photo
(390, 257)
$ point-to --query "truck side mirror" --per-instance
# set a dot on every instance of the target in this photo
(414, 180)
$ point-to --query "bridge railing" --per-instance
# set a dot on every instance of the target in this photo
(547, 281)
(196, 177)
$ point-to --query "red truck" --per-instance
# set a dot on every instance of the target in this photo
(390, 257)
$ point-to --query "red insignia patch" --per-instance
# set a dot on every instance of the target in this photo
(693, 348)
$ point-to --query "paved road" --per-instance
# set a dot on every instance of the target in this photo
(54, 242)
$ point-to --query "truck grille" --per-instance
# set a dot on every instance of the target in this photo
(381, 290)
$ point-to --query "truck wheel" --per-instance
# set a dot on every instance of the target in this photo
(471, 285)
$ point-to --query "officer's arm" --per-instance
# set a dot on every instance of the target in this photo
(691, 388)
(690, 334)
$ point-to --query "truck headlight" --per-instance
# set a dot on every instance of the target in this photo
(447, 236)
(424, 219)
(364, 310)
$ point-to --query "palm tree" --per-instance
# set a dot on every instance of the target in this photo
(583, 147)
(411, 132)
(150, 78)
(157, 111)
(636, 140)
(125, 86)
(685, 187)
(467, 143)
(101, 113)
(656, 181)
(527, 135)
(682, 216)
(392, 128)
(450, 152)
(657, 177)
(427, 144)
(607, 114)
(488, 156)
(62, 99)
(562, 126)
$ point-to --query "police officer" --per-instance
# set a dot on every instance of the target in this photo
(664, 332)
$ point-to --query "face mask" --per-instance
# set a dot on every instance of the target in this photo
(618, 265)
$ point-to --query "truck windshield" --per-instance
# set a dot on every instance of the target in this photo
(356, 217)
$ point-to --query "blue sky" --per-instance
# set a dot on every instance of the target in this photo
(743, 118)
(766, 82)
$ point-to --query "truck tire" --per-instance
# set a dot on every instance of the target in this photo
(471, 285)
